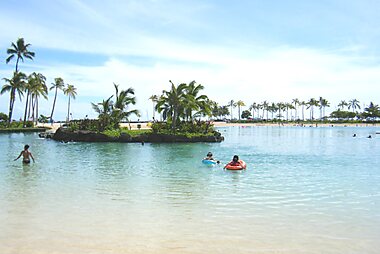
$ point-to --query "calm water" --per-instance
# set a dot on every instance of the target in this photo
(306, 190)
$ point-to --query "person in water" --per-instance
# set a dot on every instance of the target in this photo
(210, 158)
(235, 162)
(26, 155)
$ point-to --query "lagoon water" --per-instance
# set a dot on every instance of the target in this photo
(305, 190)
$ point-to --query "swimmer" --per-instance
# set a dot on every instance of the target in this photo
(235, 162)
(210, 158)
(26, 155)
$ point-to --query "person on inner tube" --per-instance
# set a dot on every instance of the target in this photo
(210, 158)
(234, 162)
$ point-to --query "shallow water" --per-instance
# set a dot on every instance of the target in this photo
(305, 190)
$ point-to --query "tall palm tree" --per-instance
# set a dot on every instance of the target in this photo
(231, 104)
(171, 103)
(57, 85)
(287, 107)
(280, 107)
(71, 92)
(240, 104)
(354, 103)
(310, 105)
(295, 102)
(323, 104)
(253, 107)
(264, 106)
(303, 104)
(342, 104)
(37, 88)
(194, 101)
(20, 49)
(120, 108)
(15, 84)
(154, 99)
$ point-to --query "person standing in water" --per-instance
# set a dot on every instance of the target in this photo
(26, 155)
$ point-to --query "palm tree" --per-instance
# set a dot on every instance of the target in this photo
(123, 100)
(323, 104)
(240, 104)
(296, 102)
(303, 104)
(104, 110)
(231, 104)
(253, 107)
(57, 85)
(35, 87)
(171, 103)
(287, 107)
(194, 101)
(311, 104)
(154, 99)
(354, 103)
(70, 91)
(264, 106)
(38, 88)
(372, 111)
(15, 84)
(342, 104)
(280, 107)
(20, 49)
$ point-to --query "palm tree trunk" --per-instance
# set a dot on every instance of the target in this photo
(18, 58)
(303, 112)
(154, 111)
(30, 105)
(36, 110)
(33, 107)
(174, 120)
(26, 108)
(68, 111)
(11, 103)
(55, 98)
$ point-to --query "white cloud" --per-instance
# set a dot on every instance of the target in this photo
(280, 75)
(251, 73)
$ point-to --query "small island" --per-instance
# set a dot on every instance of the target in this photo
(182, 122)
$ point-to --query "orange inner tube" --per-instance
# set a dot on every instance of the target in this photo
(240, 167)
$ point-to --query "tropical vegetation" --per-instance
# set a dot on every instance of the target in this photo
(183, 108)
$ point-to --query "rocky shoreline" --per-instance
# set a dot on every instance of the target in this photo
(64, 135)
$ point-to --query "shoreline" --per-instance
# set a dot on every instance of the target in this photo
(145, 126)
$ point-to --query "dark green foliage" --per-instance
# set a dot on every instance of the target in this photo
(340, 114)
(183, 128)
(3, 117)
(246, 114)
(16, 125)
(43, 119)
(111, 113)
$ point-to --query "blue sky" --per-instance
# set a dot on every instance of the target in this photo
(242, 50)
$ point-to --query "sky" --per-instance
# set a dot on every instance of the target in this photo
(249, 50)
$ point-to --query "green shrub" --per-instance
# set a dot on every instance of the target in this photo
(184, 128)
(3, 117)
(135, 133)
(112, 133)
